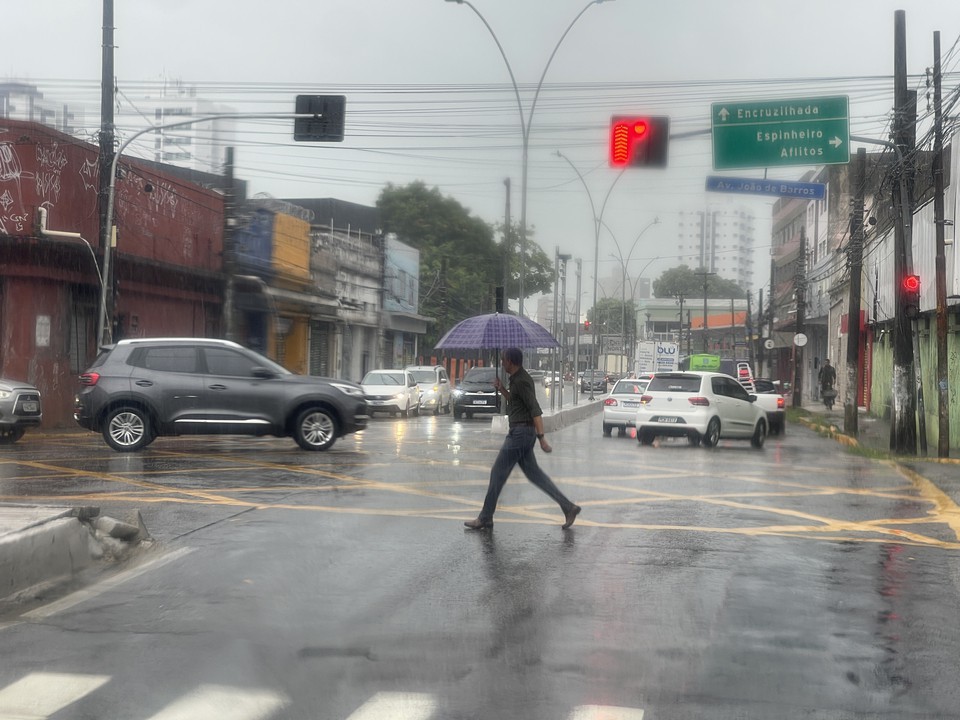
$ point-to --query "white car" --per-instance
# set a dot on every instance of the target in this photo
(620, 406)
(704, 407)
(435, 389)
(770, 399)
(392, 391)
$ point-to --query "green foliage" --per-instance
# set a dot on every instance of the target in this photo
(538, 275)
(460, 261)
(608, 313)
(684, 281)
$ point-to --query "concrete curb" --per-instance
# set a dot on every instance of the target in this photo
(554, 421)
(45, 552)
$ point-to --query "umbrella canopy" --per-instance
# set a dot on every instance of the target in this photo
(495, 331)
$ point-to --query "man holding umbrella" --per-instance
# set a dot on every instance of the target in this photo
(525, 419)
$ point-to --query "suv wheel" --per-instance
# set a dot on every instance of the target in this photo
(10, 435)
(712, 436)
(127, 429)
(316, 429)
(759, 435)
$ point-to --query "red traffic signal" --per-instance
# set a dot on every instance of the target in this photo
(911, 295)
(639, 141)
(586, 324)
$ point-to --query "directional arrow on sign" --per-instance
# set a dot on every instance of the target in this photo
(724, 114)
(836, 142)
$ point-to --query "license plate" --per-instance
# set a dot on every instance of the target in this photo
(31, 407)
(666, 419)
(479, 402)
(631, 404)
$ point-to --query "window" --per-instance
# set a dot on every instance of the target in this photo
(224, 361)
(167, 359)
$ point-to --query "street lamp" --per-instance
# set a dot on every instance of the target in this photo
(525, 122)
(597, 221)
(623, 277)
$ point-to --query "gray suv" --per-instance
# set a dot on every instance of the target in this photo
(19, 409)
(139, 389)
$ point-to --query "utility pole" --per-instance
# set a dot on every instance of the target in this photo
(229, 249)
(943, 388)
(507, 248)
(748, 328)
(105, 161)
(556, 299)
(800, 290)
(705, 275)
(760, 335)
(903, 426)
(852, 386)
(576, 337)
(680, 334)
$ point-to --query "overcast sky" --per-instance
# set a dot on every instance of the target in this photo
(429, 96)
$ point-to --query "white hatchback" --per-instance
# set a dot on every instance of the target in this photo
(704, 407)
(392, 391)
(620, 406)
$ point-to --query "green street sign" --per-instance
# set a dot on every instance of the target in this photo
(770, 133)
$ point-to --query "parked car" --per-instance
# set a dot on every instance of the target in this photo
(435, 390)
(476, 393)
(620, 406)
(704, 407)
(551, 378)
(392, 391)
(773, 403)
(593, 380)
(20, 408)
(139, 389)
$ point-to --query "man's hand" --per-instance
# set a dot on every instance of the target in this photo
(545, 446)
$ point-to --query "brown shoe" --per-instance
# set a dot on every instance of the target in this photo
(570, 516)
(478, 524)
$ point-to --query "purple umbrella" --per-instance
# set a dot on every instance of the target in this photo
(496, 331)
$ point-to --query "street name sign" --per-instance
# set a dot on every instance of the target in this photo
(780, 188)
(771, 133)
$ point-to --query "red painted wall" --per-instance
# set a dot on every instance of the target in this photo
(159, 218)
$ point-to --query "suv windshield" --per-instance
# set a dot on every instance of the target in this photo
(424, 376)
(480, 374)
(383, 378)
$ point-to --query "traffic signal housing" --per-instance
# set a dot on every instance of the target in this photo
(327, 123)
(586, 325)
(639, 141)
(910, 286)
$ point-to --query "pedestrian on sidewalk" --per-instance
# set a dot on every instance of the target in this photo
(827, 377)
(525, 419)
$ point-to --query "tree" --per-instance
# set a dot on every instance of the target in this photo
(686, 282)
(460, 261)
(538, 272)
(607, 314)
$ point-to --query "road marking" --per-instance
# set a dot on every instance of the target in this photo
(605, 712)
(39, 695)
(223, 703)
(396, 706)
(80, 596)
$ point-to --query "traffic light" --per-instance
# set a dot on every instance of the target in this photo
(326, 125)
(910, 285)
(498, 298)
(586, 325)
(639, 141)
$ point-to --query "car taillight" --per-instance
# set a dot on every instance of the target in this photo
(780, 403)
(90, 378)
(699, 401)
(610, 401)
(644, 399)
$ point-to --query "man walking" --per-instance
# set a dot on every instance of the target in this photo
(526, 427)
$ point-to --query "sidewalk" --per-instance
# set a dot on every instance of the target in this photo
(874, 435)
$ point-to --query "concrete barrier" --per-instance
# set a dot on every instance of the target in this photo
(45, 552)
(556, 420)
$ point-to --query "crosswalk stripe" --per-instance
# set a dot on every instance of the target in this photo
(39, 695)
(223, 703)
(605, 712)
(396, 706)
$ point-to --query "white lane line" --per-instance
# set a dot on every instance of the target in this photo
(39, 695)
(396, 706)
(605, 712)
(80, 596)
(223, 703)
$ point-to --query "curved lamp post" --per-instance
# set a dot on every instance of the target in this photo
(623, 268)
(597, 222)
(525, 122)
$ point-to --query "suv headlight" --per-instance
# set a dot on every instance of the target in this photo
(457, 392)
(348, 389)
(5, 394)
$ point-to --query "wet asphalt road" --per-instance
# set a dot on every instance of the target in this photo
(794, 582)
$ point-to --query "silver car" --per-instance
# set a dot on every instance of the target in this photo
(435, 389)
(19, 409)
(704, 407)
(620, 406)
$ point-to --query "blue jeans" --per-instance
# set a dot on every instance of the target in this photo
(517, 449)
